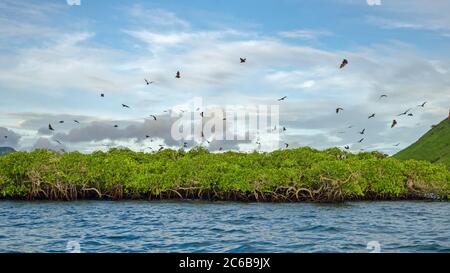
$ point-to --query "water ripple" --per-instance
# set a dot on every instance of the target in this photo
(223, 227)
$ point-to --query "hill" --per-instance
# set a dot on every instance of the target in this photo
(434, 146)
(6, 150)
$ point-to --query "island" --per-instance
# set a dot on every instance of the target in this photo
(288, 175)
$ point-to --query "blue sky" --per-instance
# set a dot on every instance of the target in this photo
(56, 59)
(348, 21)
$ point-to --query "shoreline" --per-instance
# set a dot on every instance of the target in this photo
(171, 196)
(205, 201)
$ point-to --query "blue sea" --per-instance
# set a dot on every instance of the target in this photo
(195, 226)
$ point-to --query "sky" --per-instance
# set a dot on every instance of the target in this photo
(56, 59)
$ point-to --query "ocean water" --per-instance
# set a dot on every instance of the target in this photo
(194, 226)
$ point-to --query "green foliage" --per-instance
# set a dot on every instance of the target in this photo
(288, 175)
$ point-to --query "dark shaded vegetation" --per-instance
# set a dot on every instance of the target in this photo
(302, 174)
(6, 150)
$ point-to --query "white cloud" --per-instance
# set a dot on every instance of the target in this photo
(29, 9)
(157, 39)
(414, 14)
(305, 34)
(394, 24)
(66, 63)
(157, 17)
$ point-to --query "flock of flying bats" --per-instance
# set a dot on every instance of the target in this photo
(243, 60)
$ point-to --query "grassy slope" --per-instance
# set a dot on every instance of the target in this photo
(434, 146)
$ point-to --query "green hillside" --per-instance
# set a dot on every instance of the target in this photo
(6, 150)
(434, 146)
